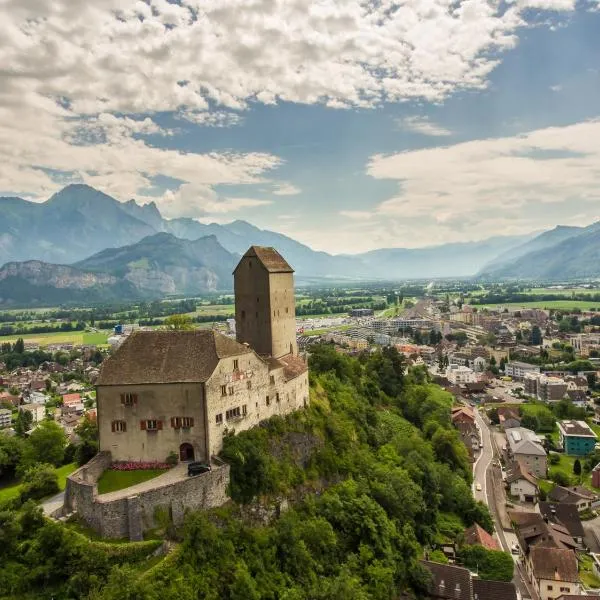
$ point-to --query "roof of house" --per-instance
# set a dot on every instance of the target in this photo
(494, 590)
(576, 428)
(168, 357)
(293, 366)
(565, 514)
(554, 563)
(449, 581)
(576, 395)
(518, 470)
(71, 398)
(524, 441)
(570, 495)
(477, 535)
(271, 260)
(508, 412)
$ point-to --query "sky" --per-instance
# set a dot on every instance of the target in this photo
(348, 125)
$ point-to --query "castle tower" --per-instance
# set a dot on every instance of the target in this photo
(265, 309)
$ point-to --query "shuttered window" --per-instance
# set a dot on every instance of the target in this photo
(129, 399)
(151, 425)
(118, 426)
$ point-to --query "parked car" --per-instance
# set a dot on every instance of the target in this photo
(197, 468)
(478, 487)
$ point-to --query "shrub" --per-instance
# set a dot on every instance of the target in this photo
(560, 478)
(554, 459)
(172, 459)
(39, 481)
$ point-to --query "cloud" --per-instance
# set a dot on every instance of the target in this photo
(82, 81)
(201, 201)
(357, 215)
(286, 189)
(511, 184)
(423, 126)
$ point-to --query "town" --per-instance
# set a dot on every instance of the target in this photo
(526, 407)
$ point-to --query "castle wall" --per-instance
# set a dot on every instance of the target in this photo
(258, 392)
(123, 515)
(157, 402)
(282, 307)
(252, 308)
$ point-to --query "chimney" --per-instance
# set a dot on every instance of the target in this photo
(457, 591)
(556, 575)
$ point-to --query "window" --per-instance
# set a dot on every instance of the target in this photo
(286, 310)
(151, 425)
(219, 419)
(182, 422)
(249, 384)
(236, 365)
(223, 390)
(268, 401)
(565, 589)
(129, 399)
(277, 397)
(244, 410)
(272, 379)
(549, 588)
(233, 413)
(231, 390)
(118, 426)
(243, 314)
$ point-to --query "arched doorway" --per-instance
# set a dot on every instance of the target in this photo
(186, 452)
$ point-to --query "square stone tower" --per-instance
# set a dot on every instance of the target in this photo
(265, 308)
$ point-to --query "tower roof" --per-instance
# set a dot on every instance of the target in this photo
(271, 260)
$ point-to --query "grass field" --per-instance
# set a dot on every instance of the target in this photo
(13, 490)
(111, 481)
(547, 304)
(61, 337)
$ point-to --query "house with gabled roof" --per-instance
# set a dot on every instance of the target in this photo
(553, 572)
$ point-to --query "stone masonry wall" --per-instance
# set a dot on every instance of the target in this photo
(130, 516)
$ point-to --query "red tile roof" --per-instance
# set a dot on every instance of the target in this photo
(476, 535)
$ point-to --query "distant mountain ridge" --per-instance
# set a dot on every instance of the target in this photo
(570, 253)
(80, 221)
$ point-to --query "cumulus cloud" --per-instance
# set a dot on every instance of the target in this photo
(285, 189)
(81, 81)
(423, 126)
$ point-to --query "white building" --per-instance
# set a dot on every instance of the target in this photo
(38, 411)
(525, 446)
(458, 375)
(5, 417)
(517, 369)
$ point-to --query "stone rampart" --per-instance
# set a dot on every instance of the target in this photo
(129, 515)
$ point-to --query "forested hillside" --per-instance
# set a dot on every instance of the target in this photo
(373, 475)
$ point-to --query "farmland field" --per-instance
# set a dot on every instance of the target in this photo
(61, 337)
(547, 304)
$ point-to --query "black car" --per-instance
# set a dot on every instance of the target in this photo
(197, 468)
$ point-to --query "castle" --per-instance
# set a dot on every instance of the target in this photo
(180, 391)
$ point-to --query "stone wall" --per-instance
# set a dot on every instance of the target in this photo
(128, 516)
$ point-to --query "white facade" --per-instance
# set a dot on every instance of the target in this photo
(460, 375)
(5, 417)
(38, 411)
(524, 490)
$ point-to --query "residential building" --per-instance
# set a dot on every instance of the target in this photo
(533, 530)
(563, 514)
(576, 438)
(522, 484)
(6, 398)
(578, 496)
(460, 375)
(181, 391)
(38, 411)
(71, 399)
(525, 446)
(5, 418)
(361, 312)
(477, 536)
(542, 387)
(449, 582)
(517, 369)
(553, 572)
(596, 476)
(508, 417)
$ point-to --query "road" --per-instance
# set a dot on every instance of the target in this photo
(490, 479)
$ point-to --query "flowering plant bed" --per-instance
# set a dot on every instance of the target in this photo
(139, 466)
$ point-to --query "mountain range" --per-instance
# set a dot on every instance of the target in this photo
(83, 245)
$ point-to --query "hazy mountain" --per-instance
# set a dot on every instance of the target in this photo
(163, 264)
(544, 240)
(576, 256)
(35, 282)
(72, 224)
(457, 260)
(80, 221)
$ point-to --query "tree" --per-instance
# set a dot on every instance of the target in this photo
(179, 322)
(47, 444)
(577, 467)
(490, 564)
(23, 422)
(38, 481)
(88, 447)
(19, 346)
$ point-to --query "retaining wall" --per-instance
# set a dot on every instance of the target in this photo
(130, 516)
